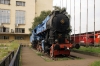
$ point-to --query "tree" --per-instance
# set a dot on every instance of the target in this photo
(39, 19)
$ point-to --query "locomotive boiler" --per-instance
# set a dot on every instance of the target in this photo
(54, 30)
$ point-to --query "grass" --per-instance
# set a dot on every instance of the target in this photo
(96, 63)
(92, 50)
(89, 49)
(5, 49)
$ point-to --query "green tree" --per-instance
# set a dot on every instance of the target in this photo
(39, 19)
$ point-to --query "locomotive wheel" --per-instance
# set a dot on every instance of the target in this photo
(51, 55)
(68, 53)
(51, 52)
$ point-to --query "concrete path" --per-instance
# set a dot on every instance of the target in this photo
(30, 58)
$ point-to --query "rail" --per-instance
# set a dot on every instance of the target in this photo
(16, 58)
(6, 61)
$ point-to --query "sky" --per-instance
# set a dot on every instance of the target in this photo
(84, 19)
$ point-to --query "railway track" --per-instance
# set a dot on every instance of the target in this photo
(73, 56)
(59, 57)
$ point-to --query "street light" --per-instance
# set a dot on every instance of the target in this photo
(66, 4)
(62, 3)
(74, 20)
(70, 17)
(80, 21)
(74, 36)
(87, 23)
(94, 21)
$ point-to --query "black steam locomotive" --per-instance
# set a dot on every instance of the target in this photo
(52, 35)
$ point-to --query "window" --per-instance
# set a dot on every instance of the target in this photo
(4, 37)
(4, 29)
(19, 38)
(5, 2)
(20, 17)
(4, 16)
(19, 30)
(20, 3)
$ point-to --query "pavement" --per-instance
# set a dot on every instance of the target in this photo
(29, 57)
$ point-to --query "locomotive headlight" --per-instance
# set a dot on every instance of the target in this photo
(68, 48)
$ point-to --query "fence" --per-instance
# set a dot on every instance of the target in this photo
(12, 59)
(6, 61)
(16, 58)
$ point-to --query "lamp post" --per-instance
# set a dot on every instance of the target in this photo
(62, 3)
(66, 4)
(87, 23)
(94, 21)
(74, 36)
(80, 21)
(74, 21)
(70, 18)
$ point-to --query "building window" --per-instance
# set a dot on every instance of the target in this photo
(4, 29)
(20, 17)
(4, 37)
(19, 38)
(20, 3)
(7, 2)
(19, 30)
(4, 16)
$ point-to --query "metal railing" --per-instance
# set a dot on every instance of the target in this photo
(16, 58)
(12, 59)
(6, 61)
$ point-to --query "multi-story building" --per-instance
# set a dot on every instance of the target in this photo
(16, 17)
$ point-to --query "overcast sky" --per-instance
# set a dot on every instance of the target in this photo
(83, 14)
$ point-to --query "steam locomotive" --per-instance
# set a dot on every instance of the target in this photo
(54, 30)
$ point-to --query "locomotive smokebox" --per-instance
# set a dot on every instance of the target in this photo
(60, 22)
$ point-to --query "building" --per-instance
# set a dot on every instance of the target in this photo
(16, 17)
(43, 5)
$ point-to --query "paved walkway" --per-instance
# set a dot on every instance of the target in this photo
(30, 58)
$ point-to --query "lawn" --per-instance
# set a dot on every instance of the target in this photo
(89, 49)
(96, 63)
(92, 50)
(6, 48)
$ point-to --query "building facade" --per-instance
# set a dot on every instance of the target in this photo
(16, 17)
(43, 5)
